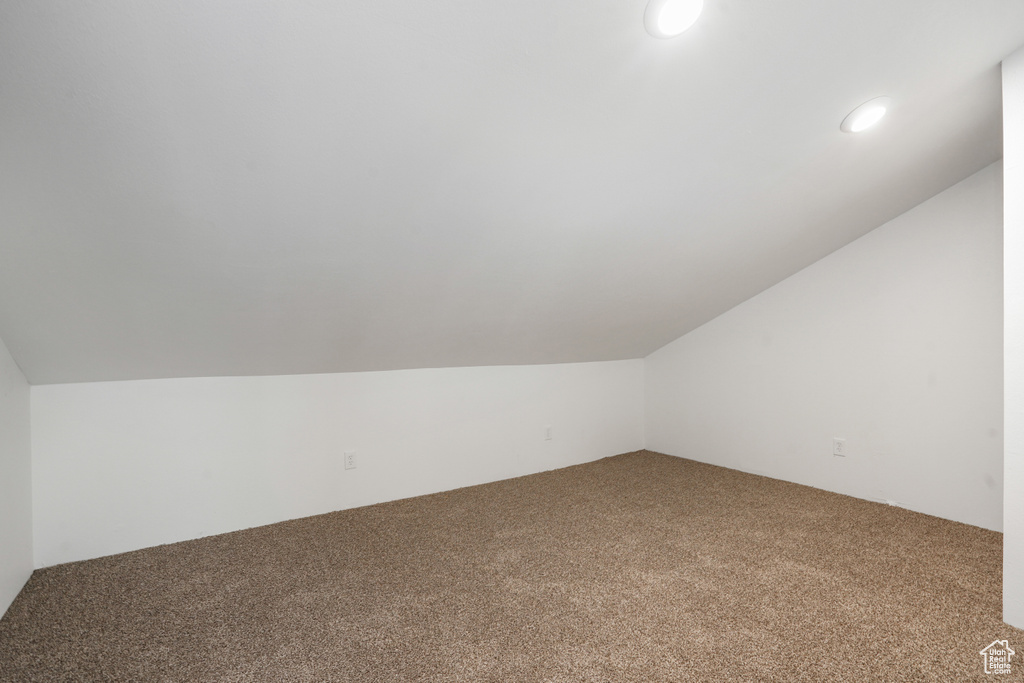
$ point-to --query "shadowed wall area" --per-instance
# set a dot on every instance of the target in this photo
(640, 567)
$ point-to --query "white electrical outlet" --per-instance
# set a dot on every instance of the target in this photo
(547, 433)
(350, 460)
(839, 447)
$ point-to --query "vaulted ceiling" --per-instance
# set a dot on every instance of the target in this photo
(244, 187)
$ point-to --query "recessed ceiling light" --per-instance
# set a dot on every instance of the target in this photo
(668, 18)
(866, 115)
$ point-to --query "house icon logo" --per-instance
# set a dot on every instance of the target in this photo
(997, 657)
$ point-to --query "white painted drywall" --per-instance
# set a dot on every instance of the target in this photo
(15, 481)
(1013, 291)
(125, 465)
(262, 187)
(894, 343)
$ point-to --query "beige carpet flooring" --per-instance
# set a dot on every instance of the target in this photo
(640, 567)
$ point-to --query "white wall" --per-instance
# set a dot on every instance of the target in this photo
(125, 465)
(15, 481)
(1013, 288)
(894, 343)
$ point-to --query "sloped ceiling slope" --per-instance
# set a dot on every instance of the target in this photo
(245, 187)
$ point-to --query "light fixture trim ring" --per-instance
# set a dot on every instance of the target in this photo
(670, 18)
(866, 115)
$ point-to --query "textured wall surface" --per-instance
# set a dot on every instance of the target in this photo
(15, 481)
(125, 465)
(892, 343)
(1013, 288)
